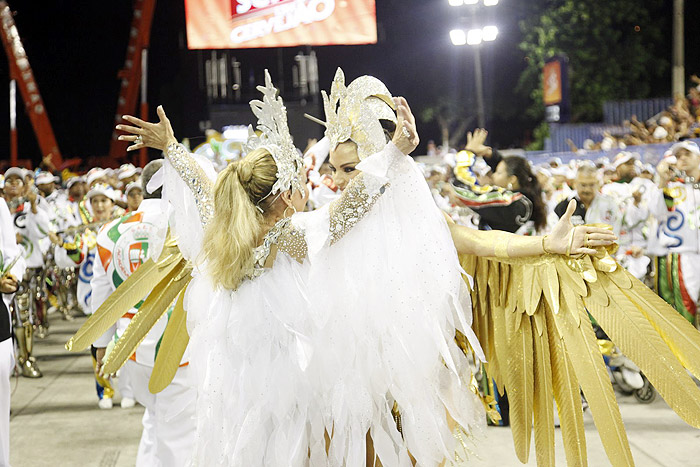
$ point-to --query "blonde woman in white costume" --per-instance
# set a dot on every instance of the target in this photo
(307, 329)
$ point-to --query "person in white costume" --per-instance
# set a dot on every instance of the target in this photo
(628, 192)
(122, 246)
(676, 206)
(11, 268)
(31, 225)
(282, 379)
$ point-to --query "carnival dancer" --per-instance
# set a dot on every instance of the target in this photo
(11, 267)
(123, 245)
(255, 318)
(78, 250)
(676, 206)
(31, 224)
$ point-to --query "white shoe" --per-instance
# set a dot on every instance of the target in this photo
(127, 402)
(105, 403)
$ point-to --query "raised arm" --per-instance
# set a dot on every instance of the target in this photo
(565, 239)
(161, 136)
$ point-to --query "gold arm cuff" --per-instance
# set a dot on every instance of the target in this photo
(501, 249)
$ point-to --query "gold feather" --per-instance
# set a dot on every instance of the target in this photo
(500, 340)
(148, 315)
(629, 329)
(532, 298)
(128, 294)
(581, 344)
(520, 384)
(550, 286)
(172, 347)
(680, 336)
(567, 395)
(542, 401)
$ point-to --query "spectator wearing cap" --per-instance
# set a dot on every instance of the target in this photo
(628, 191)
(676, 206)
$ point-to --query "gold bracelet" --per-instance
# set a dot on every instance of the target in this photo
(543, 247)
(571, 243)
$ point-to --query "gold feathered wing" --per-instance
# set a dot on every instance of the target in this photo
(162, 281)
(531, 317)
(129, 293)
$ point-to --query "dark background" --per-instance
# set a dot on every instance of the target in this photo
(76, 49)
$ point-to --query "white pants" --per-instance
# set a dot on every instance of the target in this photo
(168, 423)
(690, 266)
(124, 383)
(7, 363)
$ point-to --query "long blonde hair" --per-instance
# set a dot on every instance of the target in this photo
(236, 227)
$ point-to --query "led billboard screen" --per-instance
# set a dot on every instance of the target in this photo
(238, 24)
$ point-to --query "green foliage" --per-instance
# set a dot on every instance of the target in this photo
(612, 49)
(453, 118)
(540, 134)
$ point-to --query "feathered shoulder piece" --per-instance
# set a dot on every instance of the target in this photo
(273, 135)
(354, 112)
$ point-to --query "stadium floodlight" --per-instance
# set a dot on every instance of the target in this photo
(458, 37)
(489, 33)
(490, 2)
(474, 36)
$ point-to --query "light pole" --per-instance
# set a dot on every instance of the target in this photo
(678, 50)
(474, 37)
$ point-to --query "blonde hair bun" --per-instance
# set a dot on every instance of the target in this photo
(245, 170)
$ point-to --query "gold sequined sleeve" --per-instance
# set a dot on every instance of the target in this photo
(195, 178)
(354, 204)
(293, 242)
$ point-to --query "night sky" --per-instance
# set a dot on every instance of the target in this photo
(77, 47)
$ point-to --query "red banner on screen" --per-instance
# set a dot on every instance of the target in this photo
(239, 24)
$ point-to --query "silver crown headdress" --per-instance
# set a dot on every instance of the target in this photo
(354, 112)
(275, 137)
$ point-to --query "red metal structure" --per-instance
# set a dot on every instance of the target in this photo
(21, 72)
(133, 75)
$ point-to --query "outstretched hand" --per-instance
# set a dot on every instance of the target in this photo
(579, 240)
(144, 134)
(475, 143)
(406, 136)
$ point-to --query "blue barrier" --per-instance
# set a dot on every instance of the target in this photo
(649, 154)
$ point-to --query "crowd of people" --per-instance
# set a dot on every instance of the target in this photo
(81, 237)
(676, 123)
